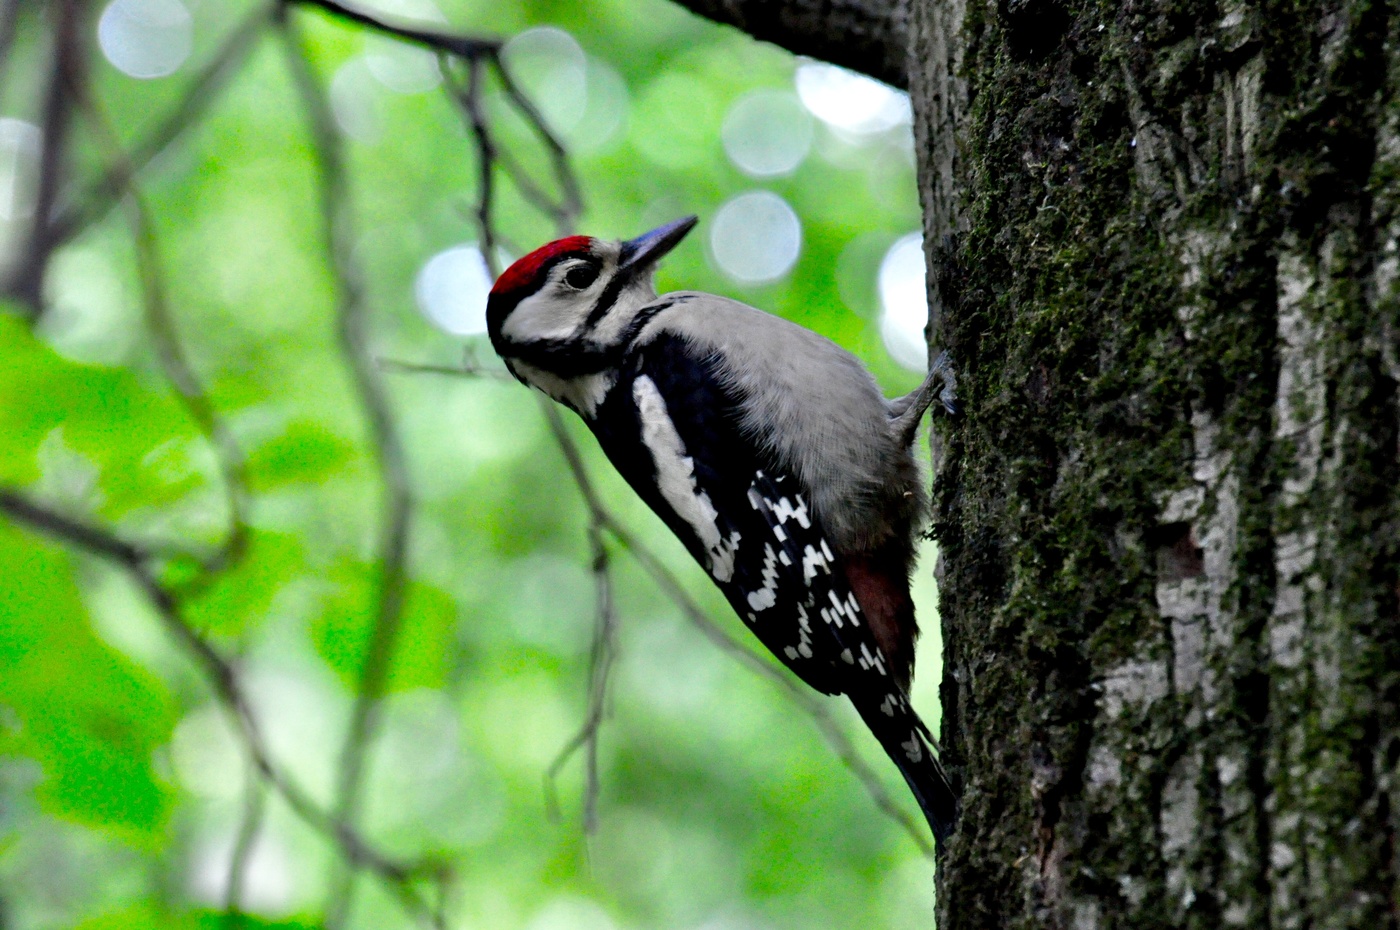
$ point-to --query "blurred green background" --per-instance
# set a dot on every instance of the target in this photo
(122, 783)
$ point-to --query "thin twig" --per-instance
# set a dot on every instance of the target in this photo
(170, 353)
(463, 46)
(469, 100)
(603, 651)
(249, 825)
(562, 214)
(600, 665)
(395, 508)
(602, 655)
(469, 96)
(68, 71)
(455, 371)
(100, 194)
(572, 204)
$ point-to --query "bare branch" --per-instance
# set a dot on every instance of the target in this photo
(176, 367)
(469, 99)
(462, 46)
(395, 509)
(68, 71)
(571, 206)
(100, 194)
(248, 828)
(604, 649)
(869, 36)
(468, 96)
(600, 665)
(456, 371)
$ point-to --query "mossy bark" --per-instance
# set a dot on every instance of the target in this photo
(1163, 242)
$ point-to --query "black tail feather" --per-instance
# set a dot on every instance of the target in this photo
(905, 740)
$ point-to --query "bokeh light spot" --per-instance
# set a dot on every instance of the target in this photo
(269, 875)
(355, 101)
(767, 133)
(848, 101)
(91, 316)
(904, 302)
(402, 68)
(451, 290)
(552, 69)
(605, 110)
(146, 38)
(755, 237)
(205, 754)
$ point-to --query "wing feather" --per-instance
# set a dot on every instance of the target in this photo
(743, 515)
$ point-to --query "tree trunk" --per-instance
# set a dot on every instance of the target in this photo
(1163, 251)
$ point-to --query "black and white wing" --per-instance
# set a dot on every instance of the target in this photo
(672, 428)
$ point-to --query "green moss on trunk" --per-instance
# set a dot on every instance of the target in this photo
(1168, 514)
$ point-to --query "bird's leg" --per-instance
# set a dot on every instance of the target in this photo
(907, 411)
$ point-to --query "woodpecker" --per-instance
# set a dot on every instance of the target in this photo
(766, 448)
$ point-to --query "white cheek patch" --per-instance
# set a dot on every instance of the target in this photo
(544, 315)
(675, 477)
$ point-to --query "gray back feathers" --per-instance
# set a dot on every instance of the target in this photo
(817, 408)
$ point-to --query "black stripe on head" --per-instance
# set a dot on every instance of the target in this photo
(607, 299)
(579, 356)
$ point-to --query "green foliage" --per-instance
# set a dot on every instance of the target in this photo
(91, 717)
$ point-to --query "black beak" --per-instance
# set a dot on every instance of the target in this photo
(640, 253)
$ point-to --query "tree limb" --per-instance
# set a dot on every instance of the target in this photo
(68, 70)
(869, 36)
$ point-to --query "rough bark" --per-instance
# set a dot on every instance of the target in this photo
(870, 36)
(1165, 244)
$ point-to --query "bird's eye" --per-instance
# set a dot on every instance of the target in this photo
(580, 276)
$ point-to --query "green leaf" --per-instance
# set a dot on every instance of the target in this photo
(90, 717)
(107, 415)
(306, 451)
(241, 597)
(342, 631)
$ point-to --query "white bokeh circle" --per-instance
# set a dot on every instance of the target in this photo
(767, 133)
(848, 101)
(755, 237)
(146, 38)
(904, 302)
(451, 290)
